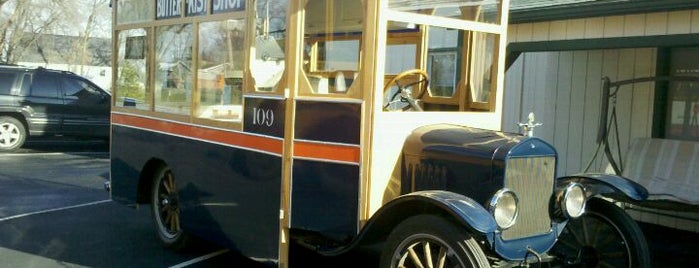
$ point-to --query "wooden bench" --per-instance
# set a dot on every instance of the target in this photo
(669, 169)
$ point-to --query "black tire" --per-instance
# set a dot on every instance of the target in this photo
(605, 236)
(12, 133)
(165, 211)
(432, 239)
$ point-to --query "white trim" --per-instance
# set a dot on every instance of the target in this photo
(328, 143)
(444, 22)
(324, 160)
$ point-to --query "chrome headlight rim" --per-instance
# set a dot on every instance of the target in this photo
(504, 208)
(575, 192)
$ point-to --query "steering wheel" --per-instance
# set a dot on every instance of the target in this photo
(407, 92)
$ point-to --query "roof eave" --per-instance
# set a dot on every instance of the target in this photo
(598, 9)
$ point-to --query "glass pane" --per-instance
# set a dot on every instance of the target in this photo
(44, 86)
(220, 69)
(332, 40)
(683, 106)
(132, 75)
(483, 51)
(6, 82)
(173, 69)
(267, 67)
(80, 91)
(400, 57)
(446, 64)
(334, 55)
(132, 11)
(442, 69)
(487, 11)
(442, 61)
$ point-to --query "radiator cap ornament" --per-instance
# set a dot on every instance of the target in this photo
(529, 126)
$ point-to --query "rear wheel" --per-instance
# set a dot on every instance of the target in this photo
(165, 211)
(431, 241)
(605, 236)
(12, 133)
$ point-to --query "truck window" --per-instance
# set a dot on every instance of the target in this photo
(173, 73)
(220, 70)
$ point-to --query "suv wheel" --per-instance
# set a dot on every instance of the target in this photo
(12, 133)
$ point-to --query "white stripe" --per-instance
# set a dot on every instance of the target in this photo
(52, 210)
(57, 154)
(32, 154)
(326, 160)
(200, 259)
(328, 143)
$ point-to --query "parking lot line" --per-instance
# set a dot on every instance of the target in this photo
(53, 209)
(199, 259)
(56, 153)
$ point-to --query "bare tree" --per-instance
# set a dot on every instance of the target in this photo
(22, 26)
(56, 30)
(86, 20)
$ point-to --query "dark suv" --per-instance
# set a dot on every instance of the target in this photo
(39, 101)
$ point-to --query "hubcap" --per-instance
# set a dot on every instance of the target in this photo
(9, 135)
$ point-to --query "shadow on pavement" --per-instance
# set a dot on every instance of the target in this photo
(671, 247)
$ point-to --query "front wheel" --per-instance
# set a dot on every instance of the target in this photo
(605, 236)
(12, 133)
(431, 241)
(165, 211)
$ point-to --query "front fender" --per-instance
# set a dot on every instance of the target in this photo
(456, 207)
(614, 186)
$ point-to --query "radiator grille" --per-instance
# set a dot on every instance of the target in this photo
(531, 179)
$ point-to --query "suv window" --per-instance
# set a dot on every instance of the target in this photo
(6, 82)
(44, 86)
(83, 91)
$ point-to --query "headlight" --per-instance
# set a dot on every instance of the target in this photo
(503, 206)
(573, 202)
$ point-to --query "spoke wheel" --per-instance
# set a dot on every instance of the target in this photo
(12, 133)
(431, 242)
(165, 211)
(605, 236)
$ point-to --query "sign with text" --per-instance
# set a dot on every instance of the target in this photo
(194, 8)
(223, 6)
(264, 116)
(165, 9)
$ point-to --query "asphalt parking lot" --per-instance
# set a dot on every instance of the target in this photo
(54, 212)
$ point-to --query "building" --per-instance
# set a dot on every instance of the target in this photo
(558, 54)
(59, 52)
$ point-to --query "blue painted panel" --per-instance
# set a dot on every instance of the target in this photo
(325, 198)
(228, 195)
(328, 121)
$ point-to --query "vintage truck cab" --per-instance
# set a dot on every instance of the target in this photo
(524, 210)
(339, 124)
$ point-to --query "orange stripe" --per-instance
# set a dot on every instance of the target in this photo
(335, 152)
(213, 135)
